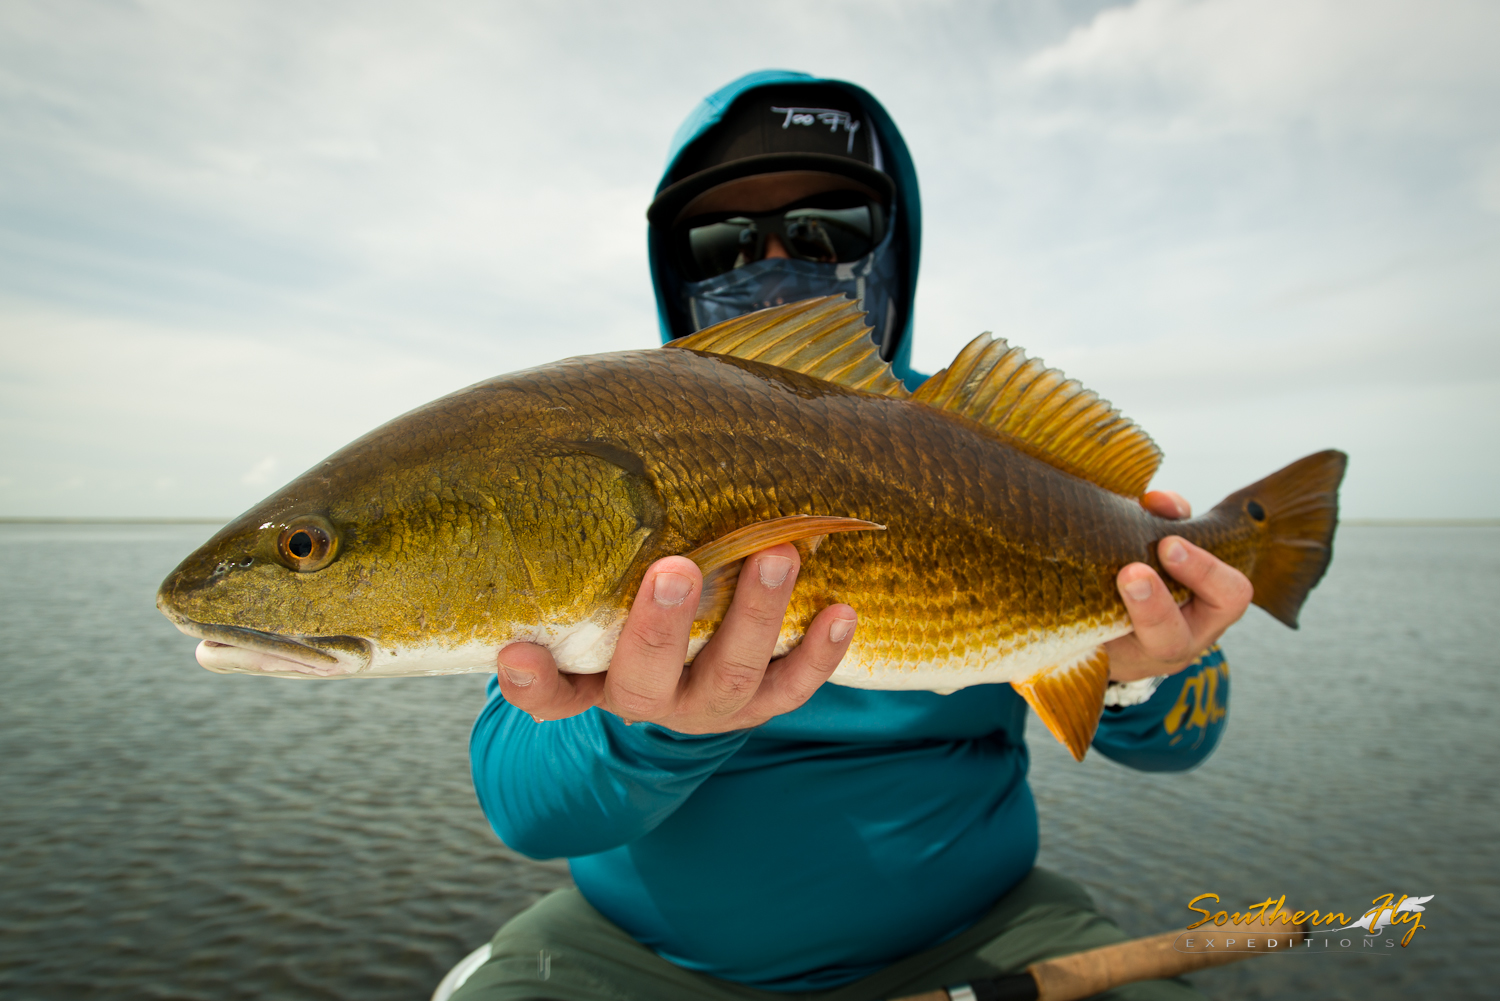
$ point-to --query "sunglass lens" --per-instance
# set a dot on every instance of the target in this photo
(828, 234)
(819, 234)
(809, 240)
(722, 246)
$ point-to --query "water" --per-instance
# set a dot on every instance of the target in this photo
(170, 833)
(1361, 758)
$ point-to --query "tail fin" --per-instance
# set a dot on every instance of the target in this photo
(1299, 507)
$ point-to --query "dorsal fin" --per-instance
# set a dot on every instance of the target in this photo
(1042, 410)
(1050, 415)
(826, 338)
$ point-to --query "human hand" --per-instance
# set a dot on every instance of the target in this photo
(732, 684)
(1168, 638)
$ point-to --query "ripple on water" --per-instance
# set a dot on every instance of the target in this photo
(173, 833)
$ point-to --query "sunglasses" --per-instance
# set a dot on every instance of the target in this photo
(833, 227)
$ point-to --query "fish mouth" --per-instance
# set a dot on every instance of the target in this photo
(242, 650)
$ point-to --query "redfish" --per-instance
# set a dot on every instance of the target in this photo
(976, 525)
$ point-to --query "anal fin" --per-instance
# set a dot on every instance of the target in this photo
(1069, 698)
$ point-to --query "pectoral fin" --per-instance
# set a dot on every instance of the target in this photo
(1069, 698)
(720, 559)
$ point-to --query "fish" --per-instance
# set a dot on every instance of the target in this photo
(976, 525)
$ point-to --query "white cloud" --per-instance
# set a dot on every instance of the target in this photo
(1205, 210)
(1489, 181)
(1383, 64)
(116, 416)
(260, 474)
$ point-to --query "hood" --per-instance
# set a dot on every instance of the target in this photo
(896, 162)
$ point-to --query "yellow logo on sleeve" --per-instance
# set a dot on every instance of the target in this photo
(1197, 706)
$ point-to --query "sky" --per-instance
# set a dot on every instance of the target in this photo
(236, 235)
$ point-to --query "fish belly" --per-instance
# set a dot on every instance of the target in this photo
(980, 663)
(582, 647)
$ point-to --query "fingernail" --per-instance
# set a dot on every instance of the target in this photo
(840, 630)
(670, 588)
(773, 569)
(1173, 552)
(518, 678)
(1139, 589)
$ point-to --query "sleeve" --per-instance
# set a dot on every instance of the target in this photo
(586, 784)
(1178, 727)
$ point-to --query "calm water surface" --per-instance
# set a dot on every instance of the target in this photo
(170, 833)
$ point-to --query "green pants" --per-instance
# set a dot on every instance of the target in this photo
(561, 949)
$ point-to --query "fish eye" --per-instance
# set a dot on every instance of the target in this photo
(307, 544)
(1254, 510)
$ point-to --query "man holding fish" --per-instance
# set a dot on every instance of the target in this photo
(774, 499)
(740, 829)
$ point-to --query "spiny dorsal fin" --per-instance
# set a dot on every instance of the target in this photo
(1050, 415)
(826, 338)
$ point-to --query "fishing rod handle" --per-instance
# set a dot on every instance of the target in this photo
(1084, 974)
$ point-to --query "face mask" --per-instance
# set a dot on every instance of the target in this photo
(871, 281)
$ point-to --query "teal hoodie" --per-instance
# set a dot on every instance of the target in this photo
(829, 842)
(897, 160)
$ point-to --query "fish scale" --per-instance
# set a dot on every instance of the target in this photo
(959, 542)
(977, 527)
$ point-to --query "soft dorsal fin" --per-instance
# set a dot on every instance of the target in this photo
(826, 338)
(1050, 415)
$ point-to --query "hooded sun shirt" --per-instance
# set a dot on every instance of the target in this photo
(836, 839)
(884, 282)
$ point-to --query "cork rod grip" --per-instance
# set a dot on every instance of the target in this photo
(1084, 974)
(1157, 957)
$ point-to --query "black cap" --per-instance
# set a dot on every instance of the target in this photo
(769, 129)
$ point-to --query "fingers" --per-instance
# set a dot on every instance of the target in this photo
(1167, 504)
(1221, 594)
(727, 672)
(1168, 638)
(732, 683)
(1161, 630)
(791, 681)
(530, 681)
(646, 672)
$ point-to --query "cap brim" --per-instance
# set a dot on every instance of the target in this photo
(672, 200)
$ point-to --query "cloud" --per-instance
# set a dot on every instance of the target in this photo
(1227, 64)
(260, 474)
(1488, 183)
(237, 230)
(116, 416)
